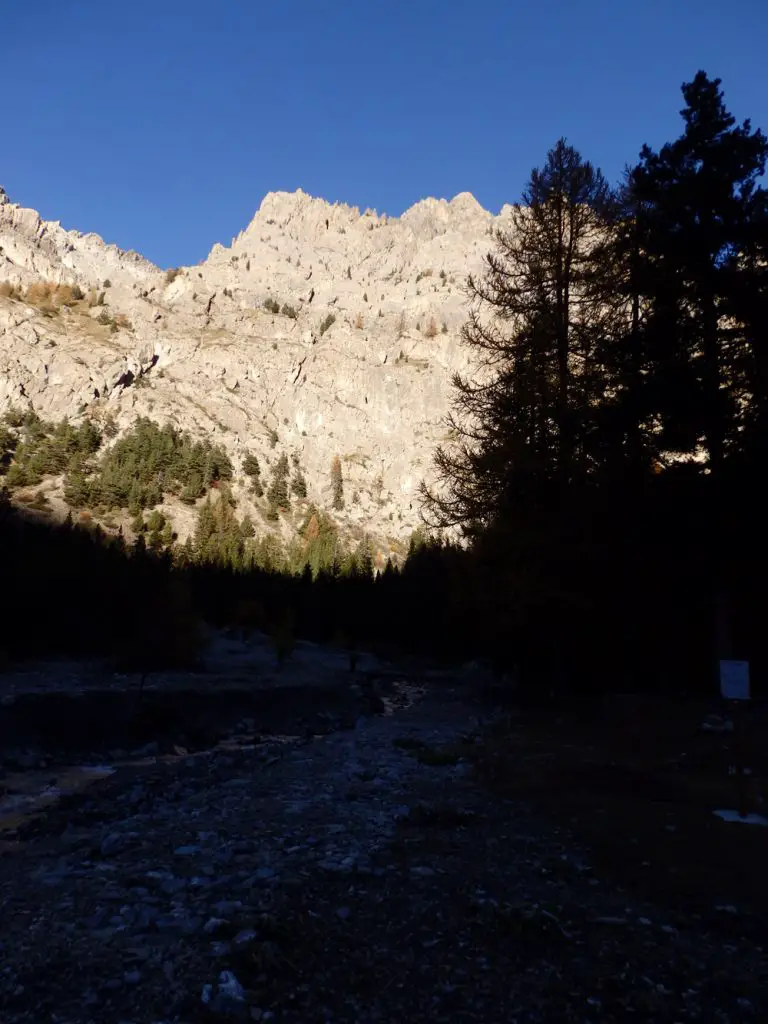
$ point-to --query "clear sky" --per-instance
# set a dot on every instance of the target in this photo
(161, 124)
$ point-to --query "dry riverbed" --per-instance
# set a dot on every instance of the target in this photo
(379, 872)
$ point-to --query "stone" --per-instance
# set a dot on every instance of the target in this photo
(112, 843)
(212, 924)
(228, 993)
(170, 886)
(228, 907)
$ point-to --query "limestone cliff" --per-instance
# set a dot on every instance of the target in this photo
(352, 358)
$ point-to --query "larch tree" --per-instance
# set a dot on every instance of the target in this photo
(522, 421)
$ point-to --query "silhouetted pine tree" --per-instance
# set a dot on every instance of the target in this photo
(704, 225)
(703, 243)
(535, 323)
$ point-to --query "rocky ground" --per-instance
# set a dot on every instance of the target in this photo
(370, 874)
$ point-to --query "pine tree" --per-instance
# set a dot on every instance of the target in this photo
(337, 485)
(205, 532)
(251, 465)
(524, 419)
(704, 219)
(277, 495)
(299, 485)
(76, 490)
(704, 242)
(365, 559)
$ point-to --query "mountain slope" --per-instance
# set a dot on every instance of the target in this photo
(356, 362)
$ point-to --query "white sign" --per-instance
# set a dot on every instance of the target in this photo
(734, 680)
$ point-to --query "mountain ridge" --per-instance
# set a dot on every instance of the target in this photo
(337, 330)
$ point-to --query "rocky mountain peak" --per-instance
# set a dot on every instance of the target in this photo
(320, 331)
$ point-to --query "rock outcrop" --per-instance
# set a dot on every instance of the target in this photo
(353, 357)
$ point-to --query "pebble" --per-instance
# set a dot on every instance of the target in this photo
(112, 843)
(228, 907)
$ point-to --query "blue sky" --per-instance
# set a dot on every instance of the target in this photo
(161, 124)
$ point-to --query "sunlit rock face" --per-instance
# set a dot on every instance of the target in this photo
(352, 356)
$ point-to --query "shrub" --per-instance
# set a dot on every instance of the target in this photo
(329, 321)
(423, 274)
(110, 427)
(39, 294)
(271, 306)
(289, 311)
(64, 295)
(9, 291)
(107, 284)
(155, 521)
(171, 274)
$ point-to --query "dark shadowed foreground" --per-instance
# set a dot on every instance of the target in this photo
(435, 862)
